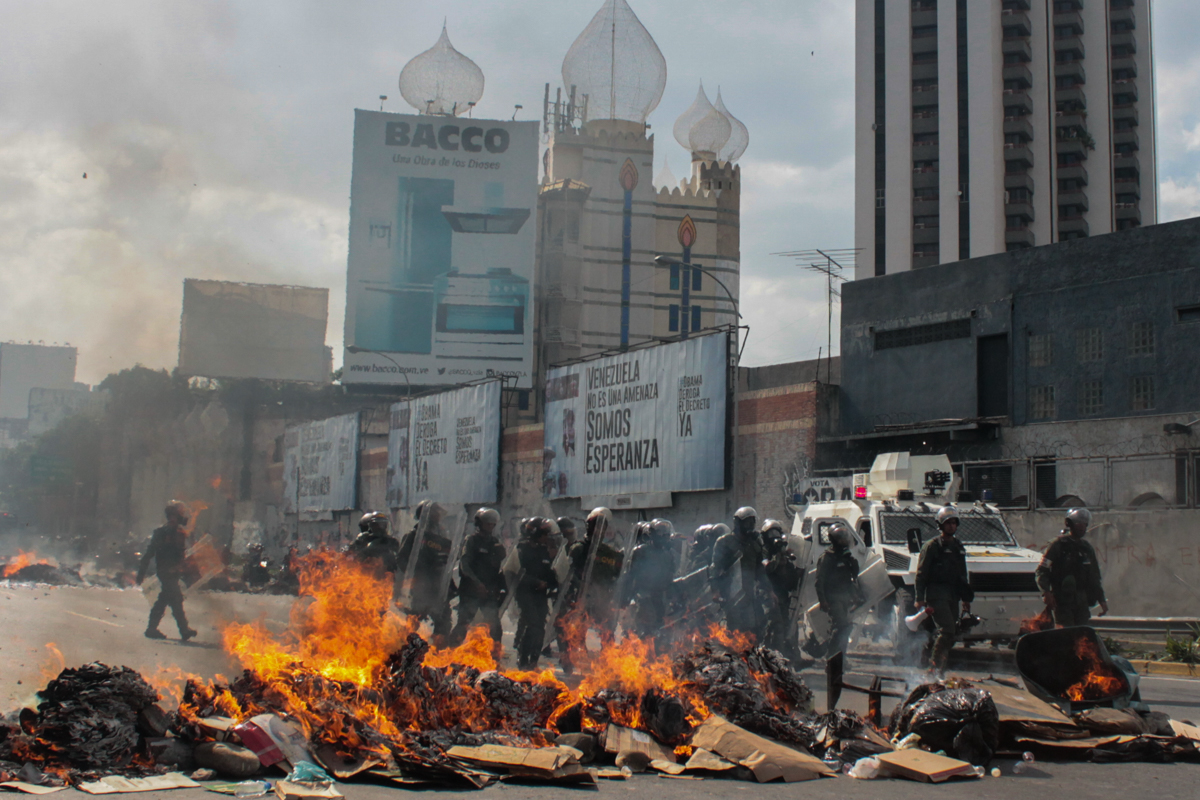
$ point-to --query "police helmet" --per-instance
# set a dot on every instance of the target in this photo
(745, 512)
(420, 509)
(599, 521)
(177, 509)
(840, 535)
(946, 514)
(719, 530)
(661, 529)
(375, 521)
(566, 526)
(772, 527)
(539, 527)
(1079, 519)
(486, 515)
(703, 533)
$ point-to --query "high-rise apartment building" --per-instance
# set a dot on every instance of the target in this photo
(992, 125)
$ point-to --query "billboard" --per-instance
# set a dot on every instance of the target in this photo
(439, 285)
(254, 330)
(445, 447)
(320, 465)
(645, 421)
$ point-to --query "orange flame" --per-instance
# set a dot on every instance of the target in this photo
(1101, 682)
(21, 561)
(215, 481)
(1042, 622)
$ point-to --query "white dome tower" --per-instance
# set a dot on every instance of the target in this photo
(739, 137)
(441, 80)
(616, 63)
(697, 111)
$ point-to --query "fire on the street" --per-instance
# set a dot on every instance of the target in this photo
(1101, 681)
(20, 561)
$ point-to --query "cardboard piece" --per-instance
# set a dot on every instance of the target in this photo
(669, 767)
(219, 729)
(1073, 744)
(342, 769)
(297, 790)
(705, 760)
(623, 740)
(273, 740)
(1188, 731)
(610, 773)
(768, 760)
(546, 763)
(115, 784)
(919, 765)
(30, 788)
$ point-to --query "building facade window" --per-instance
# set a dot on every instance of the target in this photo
(1041, 402)
(1142, 393)
(1041, 351)
(1089, 345)
(1141, 339)
(673, 318)
(695, 318)
(1091, 398)
(674, 278)
(696, 275)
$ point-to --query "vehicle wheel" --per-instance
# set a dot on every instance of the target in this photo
(907, 647)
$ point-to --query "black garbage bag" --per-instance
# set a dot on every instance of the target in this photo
(963, 722)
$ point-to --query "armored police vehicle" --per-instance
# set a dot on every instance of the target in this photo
(893, 514)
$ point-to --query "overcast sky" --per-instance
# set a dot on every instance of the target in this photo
(216, 139)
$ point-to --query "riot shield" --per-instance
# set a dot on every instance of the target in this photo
(428, 569)
(872, 579)
(562, 571)
(457, 521)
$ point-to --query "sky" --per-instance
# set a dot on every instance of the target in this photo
(216, 140)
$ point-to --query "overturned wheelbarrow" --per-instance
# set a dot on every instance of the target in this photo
(1072, 668)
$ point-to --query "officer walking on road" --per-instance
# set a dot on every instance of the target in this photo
(537, 585)
(943, 583)
(168, 548)
(481, 582)
(838, 590)
(1069, 575)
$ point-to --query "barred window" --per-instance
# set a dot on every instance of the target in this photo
(1141, 339)
(923, 334)
(1041, 350)
(1091, 398)
(1142, 393)
(1089, 345)
(1041, 402)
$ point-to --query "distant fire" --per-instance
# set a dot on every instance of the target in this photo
(20, 562)
(1102, 681)
(1042, 622)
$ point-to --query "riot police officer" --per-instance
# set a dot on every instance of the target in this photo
(538, 583)
(481, 582)
(784, 577)
(168, 550)
(375, 543)
(1069, 575)
(594, 593)
(651, 568)
(942, 584)
(432, 559)
(838, 590)
(739, 554)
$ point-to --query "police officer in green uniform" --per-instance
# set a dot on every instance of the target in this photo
(538, 583)
(838, 590)
(1069, 575)
(375, 544)
(942, 584)
(601, 585)
(433, 558)
(482, 587)
(740, 554)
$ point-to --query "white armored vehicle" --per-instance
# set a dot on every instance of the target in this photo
(892, 514)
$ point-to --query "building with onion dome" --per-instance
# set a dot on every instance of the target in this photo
(603, 217)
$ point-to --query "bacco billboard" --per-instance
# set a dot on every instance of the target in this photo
(649, 420)
(445, 447)
(439, 279)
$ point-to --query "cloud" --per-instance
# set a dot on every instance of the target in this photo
(1180, 199)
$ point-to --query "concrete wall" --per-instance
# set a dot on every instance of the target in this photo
(1150, 560)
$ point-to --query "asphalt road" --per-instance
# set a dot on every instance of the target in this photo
(107, 625)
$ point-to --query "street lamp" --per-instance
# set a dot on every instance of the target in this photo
(356, 349)
(666, 261)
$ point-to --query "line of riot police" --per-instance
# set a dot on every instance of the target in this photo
(655, 582)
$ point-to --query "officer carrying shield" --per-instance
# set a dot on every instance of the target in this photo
(838, 590)
(739, 554)
(942, 583)
(482, 587)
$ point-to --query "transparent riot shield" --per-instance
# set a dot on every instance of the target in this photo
(430, 548)
(872, 579)
(458, 524)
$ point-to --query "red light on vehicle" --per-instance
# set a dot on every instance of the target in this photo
(860, 493)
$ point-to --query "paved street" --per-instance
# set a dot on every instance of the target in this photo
(107, 625)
